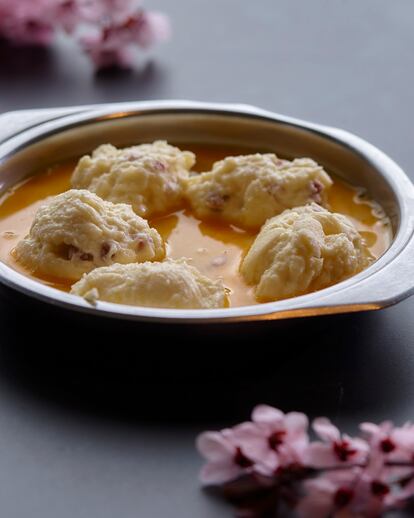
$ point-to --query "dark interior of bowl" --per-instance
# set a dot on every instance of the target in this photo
(202, 127)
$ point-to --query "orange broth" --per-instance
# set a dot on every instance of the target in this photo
(214, 248)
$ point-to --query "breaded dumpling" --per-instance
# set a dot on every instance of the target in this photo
(149, 177)
(78, 231)
(168, 284)
(303, 249)
(247, 190)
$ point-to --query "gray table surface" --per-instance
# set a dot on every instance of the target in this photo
(86, 437)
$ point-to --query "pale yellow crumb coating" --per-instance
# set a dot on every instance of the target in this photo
(168, 284)
(149, 177)
(247, 190)
(303, 249)
(77, 231)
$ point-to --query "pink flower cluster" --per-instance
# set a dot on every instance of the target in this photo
(335, 476)
(109, 31)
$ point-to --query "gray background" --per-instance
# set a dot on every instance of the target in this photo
(90, 428)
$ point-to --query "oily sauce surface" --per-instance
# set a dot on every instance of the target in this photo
(214, 248)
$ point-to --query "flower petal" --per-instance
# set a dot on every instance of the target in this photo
(296, 424)
(370, 428)
(266, 414)
(404, 438)
(325, 429)
(320, 455)
(215, 473)
(214, 446)
(358, 444)
(154, 28)
(268, 465)
(246, 431)
(253, 441)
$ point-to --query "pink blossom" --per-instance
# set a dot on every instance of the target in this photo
(155, 28)
(364, 491)
(278, 440)
(66, 14)
(112, 45)
(109, 31)
(100, 11)
(353, 492)
(328, 494)
(334, 449)
(356, 478)
(105, 54)
(26, 21)
(373, 496)
(374, 492)
(394, 443)
(226, 454)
